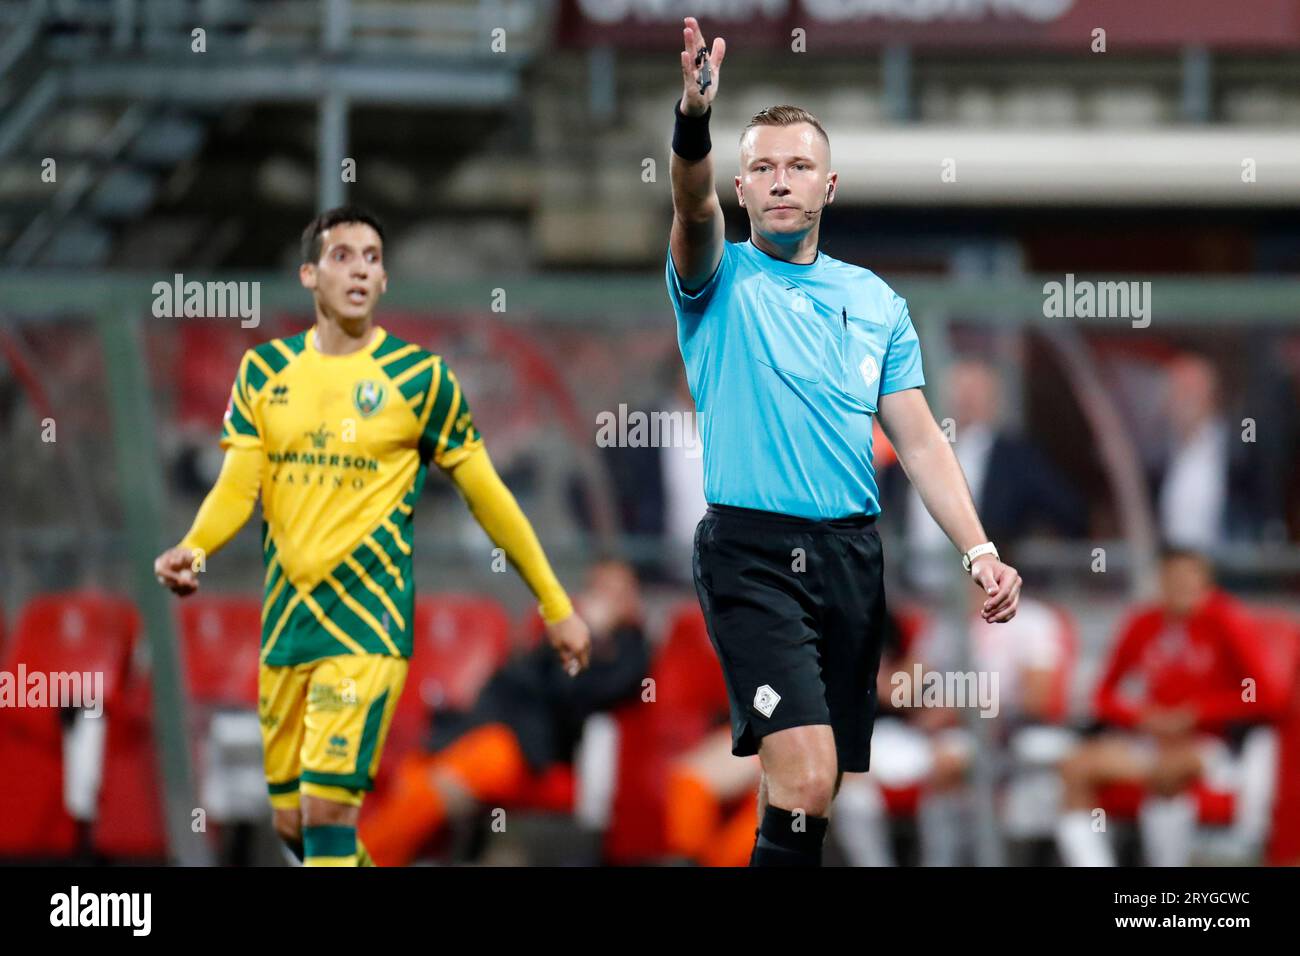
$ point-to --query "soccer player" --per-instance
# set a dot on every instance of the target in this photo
(1171, 697)
(789, 354)
(336, 427)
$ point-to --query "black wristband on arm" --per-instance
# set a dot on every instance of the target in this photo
(691, 134)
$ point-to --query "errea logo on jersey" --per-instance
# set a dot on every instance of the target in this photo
(368, 396)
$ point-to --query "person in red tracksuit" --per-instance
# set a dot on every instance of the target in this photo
(1183, 673)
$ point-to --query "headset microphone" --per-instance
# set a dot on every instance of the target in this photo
(816, 212)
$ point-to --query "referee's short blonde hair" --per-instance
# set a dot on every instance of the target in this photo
(785, 116)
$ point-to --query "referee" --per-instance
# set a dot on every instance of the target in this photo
(789, 353)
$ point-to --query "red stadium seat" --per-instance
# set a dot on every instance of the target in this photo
(208, 356)
(913, 621)
(83, 631)
(220, 654)
(688, 678)
(33, 819)
(636, 832)
(459, 641)
(221, 639)
(1282, 633)
(129, 824)
(1279, 635)
(690, 696)
(552, 791)
(77, 631)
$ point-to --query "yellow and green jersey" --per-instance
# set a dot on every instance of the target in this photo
(346, 443)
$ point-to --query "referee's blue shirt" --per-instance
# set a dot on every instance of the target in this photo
(786, 364)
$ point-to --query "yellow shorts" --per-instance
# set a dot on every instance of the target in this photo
(324, 724)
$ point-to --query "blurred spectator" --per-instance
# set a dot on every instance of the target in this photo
(527, 720)
(931, 749)
(1222, 475)
(711, 809)
(1028, 653)
(1172, 694)
(1033, 656)
(1193, 487)
(660, 483)
(1013, 485)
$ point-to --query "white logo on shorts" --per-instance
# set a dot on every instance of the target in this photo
(765, 700)
(869, 369)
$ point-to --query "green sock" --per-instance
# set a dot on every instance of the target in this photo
(332, 845)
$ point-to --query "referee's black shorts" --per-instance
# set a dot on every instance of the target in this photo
(795, 610)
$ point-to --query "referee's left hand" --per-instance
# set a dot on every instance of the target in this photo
(1001, 584)
(572, 641)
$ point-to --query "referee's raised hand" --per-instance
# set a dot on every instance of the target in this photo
(694, 102)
